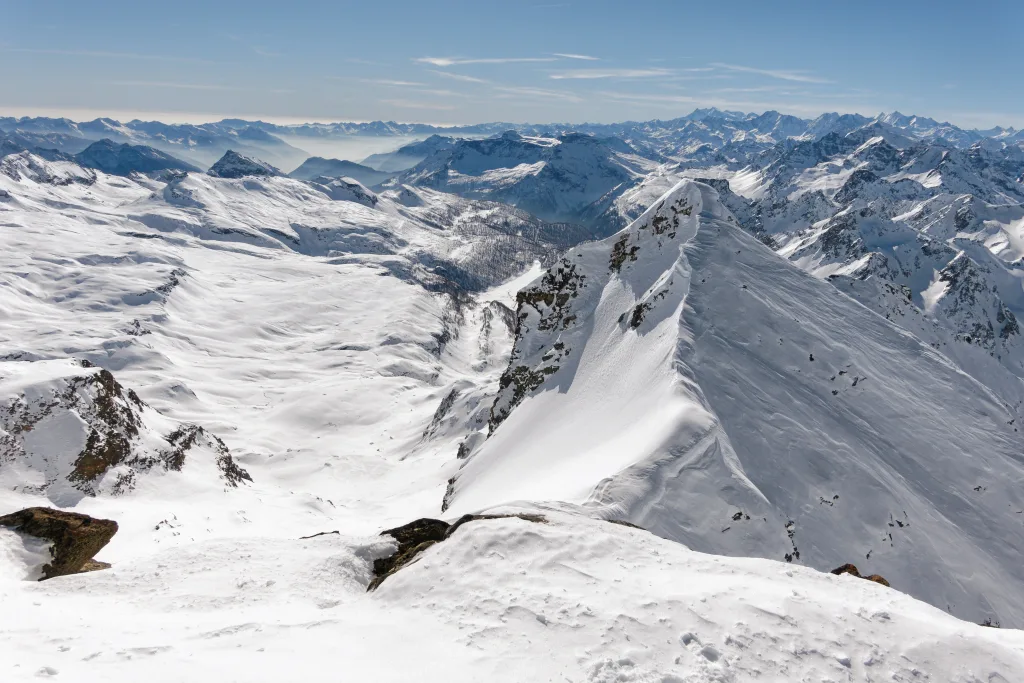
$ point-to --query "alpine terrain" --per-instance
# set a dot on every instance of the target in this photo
(727, 397)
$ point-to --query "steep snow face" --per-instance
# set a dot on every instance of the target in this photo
(683, 376)
(235, 165)
(924, 235)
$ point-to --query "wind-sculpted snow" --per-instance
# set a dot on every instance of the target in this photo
(681, 375)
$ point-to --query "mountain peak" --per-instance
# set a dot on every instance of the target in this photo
(235, 165)
(123, 159)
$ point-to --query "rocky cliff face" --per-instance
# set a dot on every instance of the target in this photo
(68, 430)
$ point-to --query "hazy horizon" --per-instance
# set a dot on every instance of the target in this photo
(460, 63)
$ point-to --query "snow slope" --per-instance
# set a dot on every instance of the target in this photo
(502, 600)
(683, 376)
(347, 348)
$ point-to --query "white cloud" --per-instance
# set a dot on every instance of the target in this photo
(458, 77)
(569, 55)
(456, 61)
(387, 81)
(609, 73)
(539, 93)
(798, 76)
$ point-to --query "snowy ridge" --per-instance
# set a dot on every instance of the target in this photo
(682, 375)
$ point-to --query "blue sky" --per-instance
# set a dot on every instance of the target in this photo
(544, 61)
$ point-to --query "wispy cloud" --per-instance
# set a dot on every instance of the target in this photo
(798, 76)
(506, 91)
(410, 104)
(440, 92)
(388, 81)
(103, 54)
(569, 55)
(609, 73)
(458, 77)
(457, 61)
(767, 88)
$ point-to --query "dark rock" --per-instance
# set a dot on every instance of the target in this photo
(623, 522)
(852, 571)
(76, 537)
(413, 538)
(847, 569)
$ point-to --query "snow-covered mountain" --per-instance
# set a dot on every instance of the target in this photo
(235, 165)
(255, 374)
(407, 156)
(124, 159)
(200, 145)
(562, 178)
(316, 167)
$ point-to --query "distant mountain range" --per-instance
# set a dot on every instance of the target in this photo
(702, 133)
(315, 167)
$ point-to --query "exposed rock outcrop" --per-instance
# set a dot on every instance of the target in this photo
(70, 429)
(852, 571)
(76, 538)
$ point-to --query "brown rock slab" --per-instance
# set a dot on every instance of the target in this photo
(76, 537)
(852, 571)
